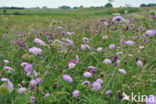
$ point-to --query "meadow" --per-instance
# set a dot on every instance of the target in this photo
(82, 56)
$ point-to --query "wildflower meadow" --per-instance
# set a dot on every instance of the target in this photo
(83, 56)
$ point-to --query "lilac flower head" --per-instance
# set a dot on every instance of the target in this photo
(76, 93)
(99, 49)
(108, 92)
(107, 61)
(140, 63)
(118, 19)
(100, 81)
(32, 100)
(151, 99)
(87, 74)
(86, 82)
(92, 67)
(28, 68)
(129, 42)
(33, 83)
(47, 95)
(35, 50)
(6, 61)
(96, 86)
(21, 90)
(8, 68)
(67, 78)
(141, 47)
(122, 71)
(112, 46)
(85, 40)
(39, 41)
(71, 65)
(4, 79)
(39, 80)
(151, 32)
(88, 47)
(63, 33)
(70, 42)
(10, 85)
(122, 42)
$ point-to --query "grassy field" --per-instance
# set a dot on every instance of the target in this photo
(77, 39)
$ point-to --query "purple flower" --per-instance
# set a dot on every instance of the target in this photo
(151, 99)
(85, 40)
(92, 67)
(33, 83)
(70, 42)
(87, 74)
(4, 79)
(8, 68)
(88, 47)
(151, 32)
(107, 61)
(6, 61)
(21, 90)
(122, 71)
(76, 93)
(63, 33)
(112, 46)
(96, 86)
(86, 82)
(28, 68)
(35, 50)
(141, 47)
(122, 42)
(118, 19)
(99, 49)
(47, 95)
(129, 42)
(99, 80)
(67, 78)
(108, 92)
(10, 85)
(39, 41)
(140, 63)
(32, 100)
(39, 80)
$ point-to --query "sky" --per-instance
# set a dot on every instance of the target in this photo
(72, 3)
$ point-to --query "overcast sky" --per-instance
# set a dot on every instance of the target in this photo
(57, 3)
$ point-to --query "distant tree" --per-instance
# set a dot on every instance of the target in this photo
(44, 7)
(81, 6)
(75, 7)
(108, 5)
(143, 5)
(4, 11)
(64, 7)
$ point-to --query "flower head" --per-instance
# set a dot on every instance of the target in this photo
(123, 71)
(118, 19)
(112, 46)
(67, 78)
(99, 49)
(21, 90)
(28, 68)
(108, 92)
(39, 41)
(76, 93)
(86, 82)
(96, 86)
(140, 63)
(87, 74)
(35, 50)
(107, 61)
(151, 99)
